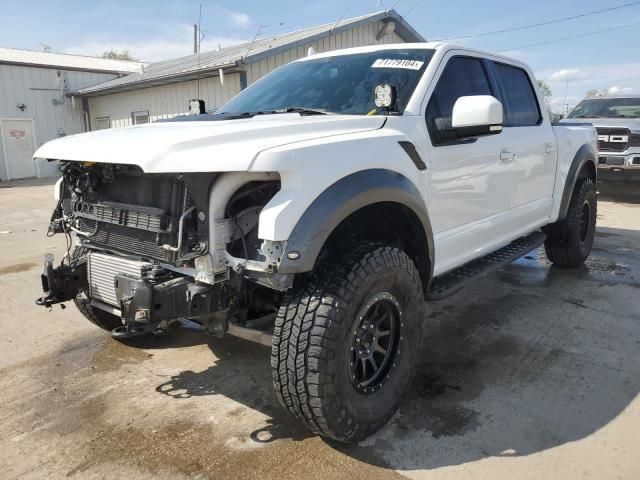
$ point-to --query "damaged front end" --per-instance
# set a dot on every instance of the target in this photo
(149, 249)
(63, 283)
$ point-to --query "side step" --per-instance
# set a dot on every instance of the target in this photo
(451, 282)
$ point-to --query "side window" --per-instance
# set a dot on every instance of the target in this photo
(461, 77)
(521, 109)
(102, 123)
(138, 118)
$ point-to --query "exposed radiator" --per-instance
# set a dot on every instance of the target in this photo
(133, 214)
(125, 239)
(102, 270)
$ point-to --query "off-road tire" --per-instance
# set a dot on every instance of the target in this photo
(98, 317)
(568, 244)
(315, 330)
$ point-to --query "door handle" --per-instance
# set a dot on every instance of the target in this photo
(549, 148)
(507, 156)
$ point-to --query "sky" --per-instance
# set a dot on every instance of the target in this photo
(157, 30)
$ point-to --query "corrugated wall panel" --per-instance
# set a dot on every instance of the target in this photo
(165, 101)
(37, 88)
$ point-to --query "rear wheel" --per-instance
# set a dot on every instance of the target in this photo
(102, 319)
(569, 242)
(346, 342)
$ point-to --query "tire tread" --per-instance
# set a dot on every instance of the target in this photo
(303, 340)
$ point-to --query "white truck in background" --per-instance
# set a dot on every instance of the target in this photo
(617, 121)
(318, 209)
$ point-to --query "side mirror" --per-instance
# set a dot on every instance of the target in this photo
(477, 115)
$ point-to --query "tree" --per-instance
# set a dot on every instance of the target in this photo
(545, 89)
(592, 93)
(119, 55)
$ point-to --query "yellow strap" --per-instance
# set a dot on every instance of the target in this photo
(372, 112)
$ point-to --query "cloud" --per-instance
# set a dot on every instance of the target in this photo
(237, 19)
(568, 74)
(619, 90)
(178, 44)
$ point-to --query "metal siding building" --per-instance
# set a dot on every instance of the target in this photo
(35, 106)
(163, 89)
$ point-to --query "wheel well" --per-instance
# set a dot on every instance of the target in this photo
(388, 223)
(588, 170)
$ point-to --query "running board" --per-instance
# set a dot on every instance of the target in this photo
(451, 282)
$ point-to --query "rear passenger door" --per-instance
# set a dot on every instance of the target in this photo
(528, 135)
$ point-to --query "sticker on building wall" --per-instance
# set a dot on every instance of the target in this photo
(17, 134)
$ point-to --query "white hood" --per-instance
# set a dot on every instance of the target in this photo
(632, 124)
(206, 146)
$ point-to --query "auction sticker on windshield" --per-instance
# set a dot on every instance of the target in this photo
(397, 63)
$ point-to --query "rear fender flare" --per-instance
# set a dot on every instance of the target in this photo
(584, 156)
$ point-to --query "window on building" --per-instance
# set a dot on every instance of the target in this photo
(138, 118)
(522, 107)
(102, 123)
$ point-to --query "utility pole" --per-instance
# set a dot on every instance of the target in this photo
(566, 105)
(195, 38)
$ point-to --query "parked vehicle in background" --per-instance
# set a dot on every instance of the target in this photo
(318, 209)
(617, 120)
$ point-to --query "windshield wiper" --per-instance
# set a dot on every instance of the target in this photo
(300, 110)
(303, 111)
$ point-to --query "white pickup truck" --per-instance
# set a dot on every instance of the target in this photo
(318, 209)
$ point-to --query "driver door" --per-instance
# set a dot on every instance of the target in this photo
(470, 182)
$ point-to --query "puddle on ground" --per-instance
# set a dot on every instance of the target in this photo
(194, 449)
(113, 354)
(605, 234)
(464, 349)
(604, 265)
(17, 268)
(534, 269)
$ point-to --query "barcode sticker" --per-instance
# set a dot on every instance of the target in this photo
(397, 63)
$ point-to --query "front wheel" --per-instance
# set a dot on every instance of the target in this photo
(346, 342)
(569, 242)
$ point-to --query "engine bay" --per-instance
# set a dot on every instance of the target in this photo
(136, 244)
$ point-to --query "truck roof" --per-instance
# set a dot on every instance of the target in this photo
(407, 46)
(604, 97)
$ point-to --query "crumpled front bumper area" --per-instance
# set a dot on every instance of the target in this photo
(146, 300)
(63, 283)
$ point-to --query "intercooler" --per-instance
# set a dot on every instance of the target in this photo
(102, 270)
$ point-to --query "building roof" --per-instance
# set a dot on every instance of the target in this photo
(66, 61)
(208, 63)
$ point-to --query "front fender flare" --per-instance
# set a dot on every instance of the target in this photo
(340, 200)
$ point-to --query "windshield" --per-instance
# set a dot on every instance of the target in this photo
(338, 84)
(607, 108)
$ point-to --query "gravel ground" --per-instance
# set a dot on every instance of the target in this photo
(532, 373)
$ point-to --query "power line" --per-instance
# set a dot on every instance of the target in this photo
(540, 24)
(418, 2)
(225, 36)
(571, 37)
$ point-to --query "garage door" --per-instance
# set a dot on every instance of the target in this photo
(18, 146)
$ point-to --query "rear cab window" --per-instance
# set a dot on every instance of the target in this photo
(521, 108)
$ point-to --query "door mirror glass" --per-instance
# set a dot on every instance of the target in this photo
(477, 115)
